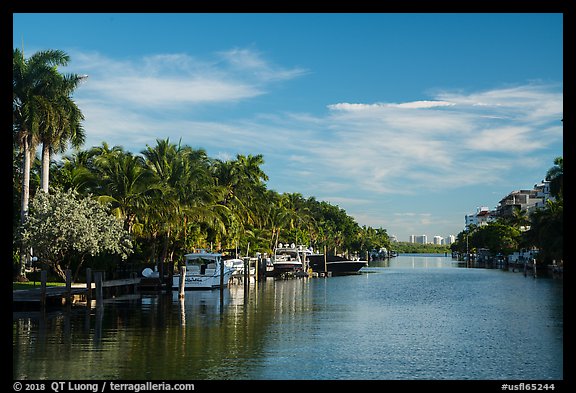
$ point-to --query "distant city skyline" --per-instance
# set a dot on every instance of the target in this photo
(425, 239)
(405, 121)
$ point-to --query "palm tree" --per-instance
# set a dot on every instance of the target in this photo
(31, 112)
(124, 183)
(65, 125)
(187, 196)
(242, 183)
(546, 231)
(555, 176)
(74, 172)
(519, 218)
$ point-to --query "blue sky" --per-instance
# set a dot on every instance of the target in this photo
(406, 121)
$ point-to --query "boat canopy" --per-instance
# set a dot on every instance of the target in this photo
(198, 257)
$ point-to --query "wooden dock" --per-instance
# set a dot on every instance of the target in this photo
(61, 295)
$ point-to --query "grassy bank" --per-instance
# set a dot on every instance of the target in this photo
(34, 284)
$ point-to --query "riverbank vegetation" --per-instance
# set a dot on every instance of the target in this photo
(417, 248)
(172, 198)
(541, 229)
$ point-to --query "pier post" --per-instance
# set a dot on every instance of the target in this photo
(68, 286)
(182, 282)
(246, 271)
(43, 277)
(88, 286)
(221, 285)
(99, 289)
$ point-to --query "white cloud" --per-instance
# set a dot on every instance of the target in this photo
(178, 80)
(246, 60)
(345, 106)
(424, 104)
(152, 91)
(506, 139)
(437, 143)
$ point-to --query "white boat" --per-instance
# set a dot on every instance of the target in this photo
(238, 265)
(203, 271)
(287, 259)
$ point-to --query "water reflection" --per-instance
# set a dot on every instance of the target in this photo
(406, 318)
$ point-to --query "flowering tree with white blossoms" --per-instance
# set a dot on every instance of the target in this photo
(63, 228)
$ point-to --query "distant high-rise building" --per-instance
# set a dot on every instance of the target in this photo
(412, 239)
(438, 240)
(421, 239)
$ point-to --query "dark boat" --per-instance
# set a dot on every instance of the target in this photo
(334, 264)
(287, 260)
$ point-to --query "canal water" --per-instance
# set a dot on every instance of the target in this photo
(411, 318)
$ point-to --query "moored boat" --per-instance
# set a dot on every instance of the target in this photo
(238, 265)
(334, 264)
(203, 271)
(287, 260)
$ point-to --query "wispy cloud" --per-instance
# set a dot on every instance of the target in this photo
(436, 143)
(252, 62)
(344, 106)
(168, 80)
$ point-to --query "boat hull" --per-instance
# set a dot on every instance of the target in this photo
(200, 281)
(285, 268)
(334, 264)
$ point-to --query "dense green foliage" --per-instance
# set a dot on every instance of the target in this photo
(416, 248)
(173, 198)
(43, 114)
(64, 228)
(541, 229)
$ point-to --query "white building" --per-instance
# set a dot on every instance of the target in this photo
(526, 200)
(482, 216)
(421, 239)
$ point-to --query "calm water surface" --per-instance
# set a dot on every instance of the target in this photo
(414, 318)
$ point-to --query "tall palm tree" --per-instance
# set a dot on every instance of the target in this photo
(242, 182)
(31, 111)
(187, 196)
(65, 125)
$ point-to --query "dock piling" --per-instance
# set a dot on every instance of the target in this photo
(43, 278)
(88, 285)
(99, 289)
(182, 281)
(68, 298)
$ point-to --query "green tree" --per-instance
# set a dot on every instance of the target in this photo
(555, 176)
(242, 184)
(547, 231)
(32, 111)
(124, 183)
(64, 228)
(65, 123)
(499, 238)
(186, 199)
